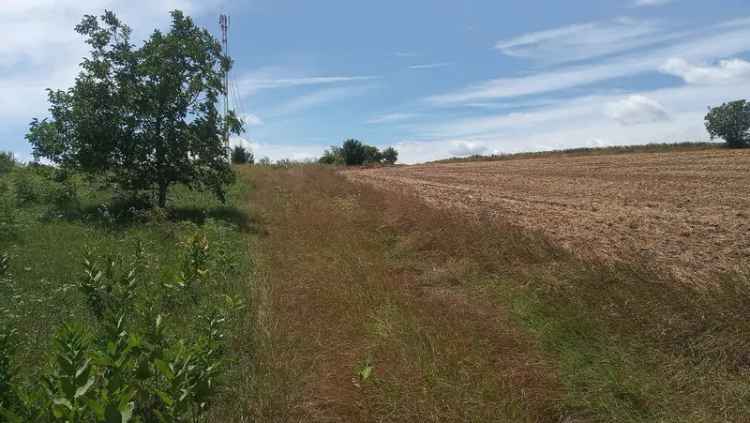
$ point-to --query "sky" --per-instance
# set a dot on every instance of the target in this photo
(432, 78)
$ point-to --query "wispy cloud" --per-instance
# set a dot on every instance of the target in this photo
(405, 54)
(719, 41)
(645, 3)
(584, 41)
(431, 65)
(391, 118)
(262, 79)
(319, 97)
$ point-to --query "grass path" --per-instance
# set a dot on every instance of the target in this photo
(346, 295)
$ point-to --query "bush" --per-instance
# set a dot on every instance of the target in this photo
(390, 155)
(7, 162)
(731, 122)
(334, 156)
(128, 366)
(241, 155)
(8, 213)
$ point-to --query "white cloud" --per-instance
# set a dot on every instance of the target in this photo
(719, 41)
(642, 3)
(391, 117)
(466, 148)
(319, 97)
(726, 71)
(252, 119)
(584, 41)
(636, 110)
(277, 78)
(431, 66)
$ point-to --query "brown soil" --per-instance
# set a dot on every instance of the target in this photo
(689, 212)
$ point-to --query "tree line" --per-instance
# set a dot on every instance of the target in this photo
(356, 153)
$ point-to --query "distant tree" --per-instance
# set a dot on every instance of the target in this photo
(146, 117)
(372, 154)
(390, 155)
(241, 155)
(332, 156)
(353, 152)
(731, 122)
(7, 162)
(265, 161)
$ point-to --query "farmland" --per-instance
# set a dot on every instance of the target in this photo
(368, 295)
(686, 211)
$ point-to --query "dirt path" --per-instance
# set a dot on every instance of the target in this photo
(688, 211)
(345, 294)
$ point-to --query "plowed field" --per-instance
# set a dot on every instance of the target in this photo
(688, 212)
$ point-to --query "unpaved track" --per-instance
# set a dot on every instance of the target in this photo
(687, 211)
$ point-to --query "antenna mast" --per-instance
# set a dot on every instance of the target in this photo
(224, 24)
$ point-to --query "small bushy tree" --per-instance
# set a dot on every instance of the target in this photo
(7, 162)
(353, 152)
(731, 122)
(372, 154)
(333, 156)
(146, 118)
(241, 155)
(390, 155)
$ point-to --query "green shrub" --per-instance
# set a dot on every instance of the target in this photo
(7, 162)
(129, 366)
(29, 186)
(8, 213)
(241, 155)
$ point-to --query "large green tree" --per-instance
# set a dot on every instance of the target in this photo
(731, 122)
(146, 118)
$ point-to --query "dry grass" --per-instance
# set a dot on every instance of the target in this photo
(470, 319)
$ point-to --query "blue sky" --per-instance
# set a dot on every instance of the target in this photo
(432, 78)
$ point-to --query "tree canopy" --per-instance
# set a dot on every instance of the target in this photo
(354, 153)
(242, 155)
(146, 117)
(731, 122)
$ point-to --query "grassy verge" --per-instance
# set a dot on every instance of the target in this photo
(379, 308)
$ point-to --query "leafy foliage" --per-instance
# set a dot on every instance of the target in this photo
(241, 155)
(333, 156)
(390, 155)
(730, 121)
(355, 153)
(132, 369)
(146, 117)
(7, 162)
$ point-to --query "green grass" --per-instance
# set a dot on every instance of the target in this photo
(47, 231)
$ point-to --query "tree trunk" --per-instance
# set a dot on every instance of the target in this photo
(163, 194)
